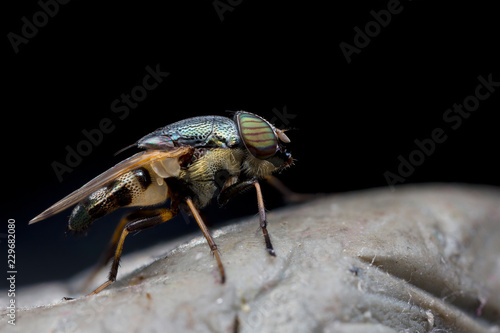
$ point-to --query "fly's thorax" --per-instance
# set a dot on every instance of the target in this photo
(207, 174)
(205, 131)
(211, 161)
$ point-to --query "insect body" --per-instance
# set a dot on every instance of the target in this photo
(189, 162)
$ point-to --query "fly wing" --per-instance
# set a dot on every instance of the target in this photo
(131, 163)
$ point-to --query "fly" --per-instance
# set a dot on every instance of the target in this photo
(189, 162)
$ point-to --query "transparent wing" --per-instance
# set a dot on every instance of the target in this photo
(131, 163)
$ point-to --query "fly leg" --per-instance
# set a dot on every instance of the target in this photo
(109, 252)
(263, 220)
(209, 238)
(229, 191)
(134, 222)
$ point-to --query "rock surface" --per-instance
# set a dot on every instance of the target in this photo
(418, 259)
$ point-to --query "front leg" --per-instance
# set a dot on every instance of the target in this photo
(229, 191)
(263, 220)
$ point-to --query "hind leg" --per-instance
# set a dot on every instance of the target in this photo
(136, 221)
(110, 250)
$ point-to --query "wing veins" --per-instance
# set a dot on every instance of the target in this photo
(129, 164)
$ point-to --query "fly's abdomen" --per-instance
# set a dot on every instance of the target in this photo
(140, 187)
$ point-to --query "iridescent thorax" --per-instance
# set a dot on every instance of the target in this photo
(207, 131)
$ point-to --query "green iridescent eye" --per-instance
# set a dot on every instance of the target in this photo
(257, 135)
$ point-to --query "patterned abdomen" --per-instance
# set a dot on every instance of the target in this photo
(257, 135)
(140, 187)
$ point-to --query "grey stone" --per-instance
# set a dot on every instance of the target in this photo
(417, 259)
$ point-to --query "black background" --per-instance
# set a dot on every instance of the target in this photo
(351, 120)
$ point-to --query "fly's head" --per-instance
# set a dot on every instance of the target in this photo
(263, 141)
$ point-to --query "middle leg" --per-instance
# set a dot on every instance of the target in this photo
(209, 238)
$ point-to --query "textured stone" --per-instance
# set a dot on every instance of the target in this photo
(418, 259)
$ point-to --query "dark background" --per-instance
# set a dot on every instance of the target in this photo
(351, 120)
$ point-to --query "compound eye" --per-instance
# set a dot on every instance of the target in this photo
(258, 135)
